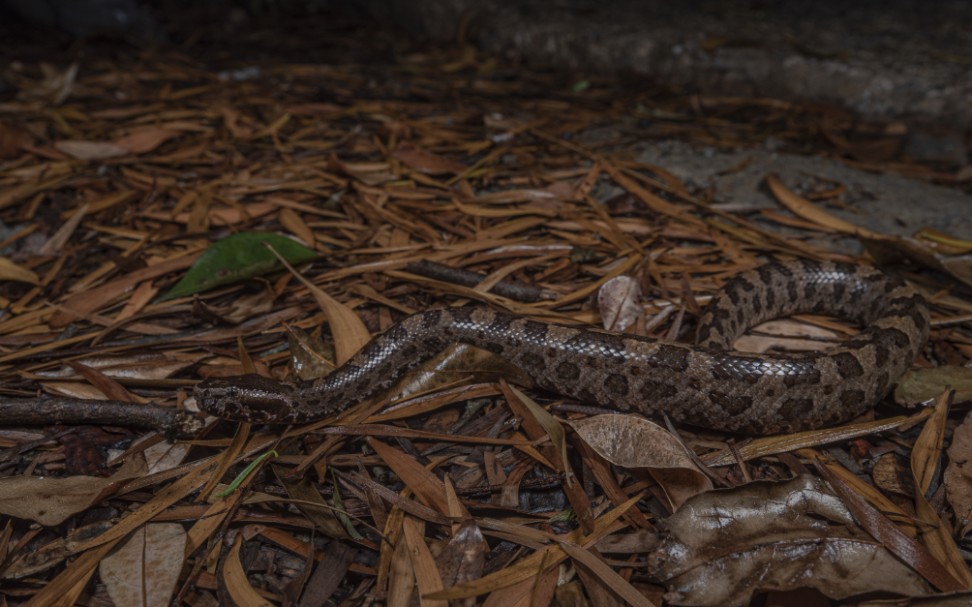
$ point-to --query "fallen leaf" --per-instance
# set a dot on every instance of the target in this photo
(958, 473)
(145, 140)
(619, 302)
(90, 150)
(804, 208)
(918, 386)
(238, 257)
(143, 571)
(427, 162)
(723, 546)
(631, 441)
(50, 501)
(11, 271)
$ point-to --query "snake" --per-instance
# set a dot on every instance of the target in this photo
(706, 384)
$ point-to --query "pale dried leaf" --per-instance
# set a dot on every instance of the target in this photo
(618, 301)
(90, 150)
(50, 501)
(165, 455)
(752, 526)
(631, 441)
(921, 385)
(143, 571)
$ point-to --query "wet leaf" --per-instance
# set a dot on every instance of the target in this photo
(619, 302)
(238, 257)
(143, 571)
(723, 546)
(921, 385)
(631, 441)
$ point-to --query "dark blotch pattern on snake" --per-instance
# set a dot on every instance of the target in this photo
(706, 385)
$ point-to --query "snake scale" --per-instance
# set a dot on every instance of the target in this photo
(707, 384)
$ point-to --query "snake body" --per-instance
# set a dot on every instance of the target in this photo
(707, 384)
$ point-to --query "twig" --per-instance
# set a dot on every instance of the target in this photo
(49, 411)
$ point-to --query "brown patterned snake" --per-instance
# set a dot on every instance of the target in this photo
(704, 385)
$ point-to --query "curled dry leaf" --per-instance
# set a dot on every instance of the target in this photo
(630, 441)
(144, 570)
(921, 385)
(958, 473)
(50, 501)
(617, 301)
(725, 545)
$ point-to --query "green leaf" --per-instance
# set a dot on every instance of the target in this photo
(236, 258)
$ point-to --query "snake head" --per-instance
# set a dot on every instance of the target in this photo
(246, 398)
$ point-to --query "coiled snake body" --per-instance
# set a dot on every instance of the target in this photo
(706, 385)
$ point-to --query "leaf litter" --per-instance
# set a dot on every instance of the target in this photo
(138, 197)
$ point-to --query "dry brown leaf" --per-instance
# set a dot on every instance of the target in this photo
(50, 501)
(619, 303)
(918, 386)
(537, 590)
(464, 557)
(143, 571)
(958, 473)
(145, 139)
(427, 162)
(631, 441)
(401, 576)
(725, 545)
(426, 573)
(234, 583)
(350, 334)
(607, 575)
(11, 271)
(925, 458)
(424, 484)
(542, 560)
(804, 208)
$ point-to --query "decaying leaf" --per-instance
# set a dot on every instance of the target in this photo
(50, 501)
(921, 385)
(631, 441)
(723, 546)
(958, 473)
(143, 571)
(618, 301)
